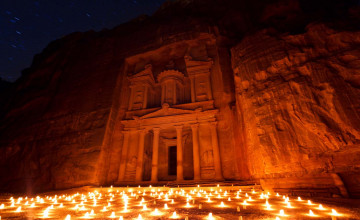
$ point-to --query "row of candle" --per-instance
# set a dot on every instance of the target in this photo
(128, 196)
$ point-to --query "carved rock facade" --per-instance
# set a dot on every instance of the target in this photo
(157, 102)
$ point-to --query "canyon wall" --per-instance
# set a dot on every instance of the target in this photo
(299, 99)
(286, 82)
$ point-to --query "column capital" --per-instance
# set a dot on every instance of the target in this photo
(213, 123)
(178, 127)
(156, 130)
(126, 131)
(143, 131)
(194, 125)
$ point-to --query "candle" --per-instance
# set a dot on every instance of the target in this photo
(46, 213)
(210, 217)
(18, 209)
(282, 213)
(174, 215)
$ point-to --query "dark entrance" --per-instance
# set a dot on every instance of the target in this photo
(172, 161)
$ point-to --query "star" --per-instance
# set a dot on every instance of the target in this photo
(28, 26)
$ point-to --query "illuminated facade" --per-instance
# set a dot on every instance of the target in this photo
(169, 127)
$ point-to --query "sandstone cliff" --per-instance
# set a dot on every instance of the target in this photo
(291, 73)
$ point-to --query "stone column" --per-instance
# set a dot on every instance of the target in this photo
(208, 85)
(123, 158)
(131, 99)
(179, 167)
(145, 101)
(192, 81)
(140, 156)
(155, 155)
(196, 153)
(162, 93)
(216, 152)
(175, 93)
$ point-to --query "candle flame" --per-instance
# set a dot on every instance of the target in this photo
(18, 209)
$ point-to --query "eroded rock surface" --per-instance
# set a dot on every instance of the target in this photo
(285, 79)
(299, 99)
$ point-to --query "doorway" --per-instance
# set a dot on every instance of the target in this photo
(172, 160)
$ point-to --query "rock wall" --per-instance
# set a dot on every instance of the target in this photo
(299, 99)
(289, 96)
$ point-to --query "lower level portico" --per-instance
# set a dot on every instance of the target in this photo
(171, 145)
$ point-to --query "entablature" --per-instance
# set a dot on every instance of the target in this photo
(169, 117)
(205, 105)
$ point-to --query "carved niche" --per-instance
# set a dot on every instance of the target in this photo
(141, 85)
(172, 86)
(199, 73)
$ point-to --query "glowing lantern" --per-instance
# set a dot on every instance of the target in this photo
(18, 209)
(68, 217)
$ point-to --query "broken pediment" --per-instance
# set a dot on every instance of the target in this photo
(143, 77)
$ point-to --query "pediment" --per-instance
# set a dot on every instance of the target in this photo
(145, 75)
(168, 111)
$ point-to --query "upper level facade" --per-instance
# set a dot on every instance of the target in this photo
(170, 86)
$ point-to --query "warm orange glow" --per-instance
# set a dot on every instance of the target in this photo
(210, 217)
(282, 213)
(18, 209)
(148, 202)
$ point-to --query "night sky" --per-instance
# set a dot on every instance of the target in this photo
(27, 26)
